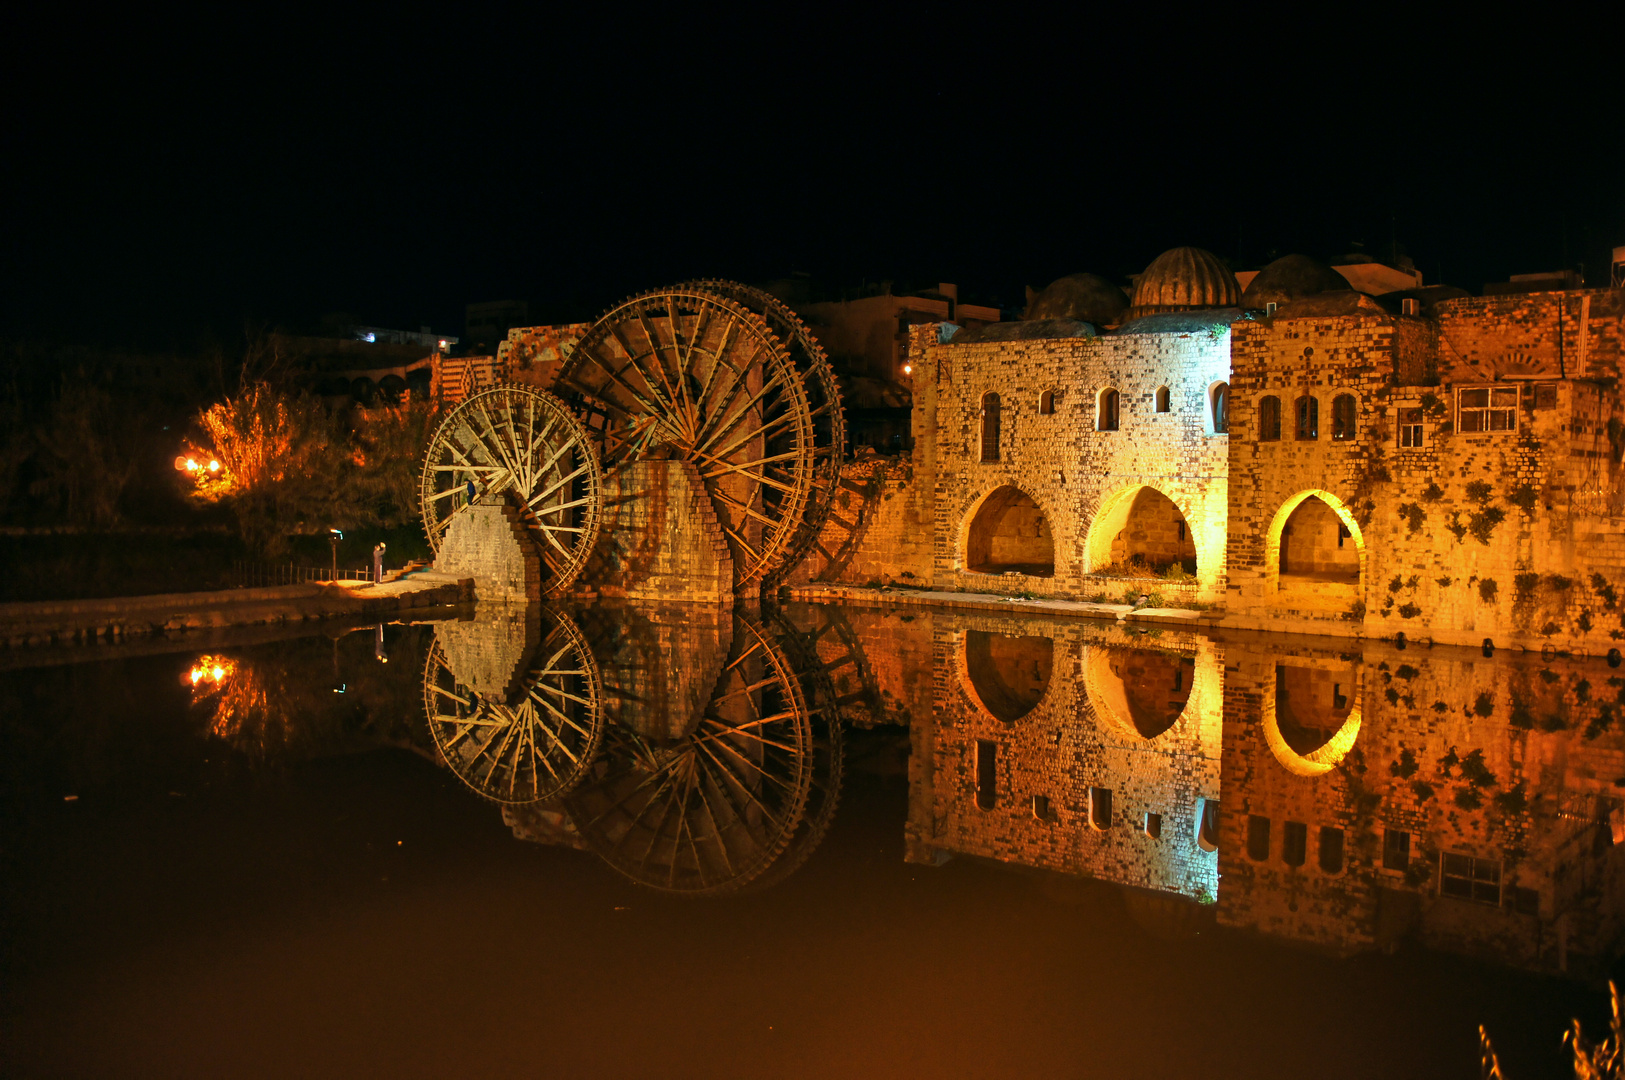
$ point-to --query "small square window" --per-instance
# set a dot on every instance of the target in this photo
(1410, 427)
(1470, 878)
(1487, 408)
(1396, 849)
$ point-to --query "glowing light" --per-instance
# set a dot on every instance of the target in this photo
(214, 466)
(908, 369)
(214, 670)
(370, 337)
(191, 466)
(180, 463)
(443, 345)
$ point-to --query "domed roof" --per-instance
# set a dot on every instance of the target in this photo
(1086, 298)
(1291, 277)
(1185, 277)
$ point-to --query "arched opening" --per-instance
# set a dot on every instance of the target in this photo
(1100, 808)
(1009, 535)
(1312, 719)
(1106, 410)
(1343, 417)
(1046, 403)
(1269, 419)
(1317, 545)
(990, 427)
(1009, 674)
(1308, 418)
(1139, 690)
(1162, 399)
(1219, 406)
(987, 774)
(1142, 533)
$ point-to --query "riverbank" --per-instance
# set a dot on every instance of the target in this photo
(114, 619)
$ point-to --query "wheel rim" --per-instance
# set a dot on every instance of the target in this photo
(709, 812)
(534, 746)
(525, 447)
(685, 373)
(824, 404)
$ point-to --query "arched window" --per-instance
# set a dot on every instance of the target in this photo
(1106, 411)
(1046, 403)
(1221, 408)
(1308, 417)
(987, 772)
(1343, 416)
(1269, 419)
(1162, 399)
(990, 427)
(1100, 808)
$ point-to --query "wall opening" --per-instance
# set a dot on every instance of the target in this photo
(1142, 533)
(1138, 688)
(1219, 408)
(1153, 825)
(1343, 416)
(1269, 419)
(1207, 824)
(1331, 850)
(1313, 546)
(1396, 850)
(1258, 838)
(987, 771)
(1046, 403)
(1041, 807)
(1294, 843)
(1311, 705)
(1106, 410)
(1008, 674)
(1009, 535)
(1308, 425)
(1162, 399)
(990, 427)
(1100, 808)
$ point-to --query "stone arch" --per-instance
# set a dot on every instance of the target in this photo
(1141, 693)
(1283, 724)
(1008, 675)
(1168, 536)
(1008, 532)
(1278, 529)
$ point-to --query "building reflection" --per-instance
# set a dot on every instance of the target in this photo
(1343, 799)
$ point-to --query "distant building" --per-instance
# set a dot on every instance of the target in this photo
(869, 337)
(423, 337)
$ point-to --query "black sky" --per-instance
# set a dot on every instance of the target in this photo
(168, 179)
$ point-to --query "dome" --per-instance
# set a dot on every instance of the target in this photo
(1086, 298)
(1289, 278)
(1185, 277)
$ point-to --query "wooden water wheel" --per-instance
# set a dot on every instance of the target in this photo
(709, 811)
(523, 446)
(690, 374)
(823, 400)
(528, 745)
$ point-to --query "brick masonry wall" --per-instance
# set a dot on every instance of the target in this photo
(488, 543)
(1072, 471)
(875, 531)
(491, 650)
(659, 538)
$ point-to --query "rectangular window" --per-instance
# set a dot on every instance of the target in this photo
(1331, 849)
(1396, 849)
(1041, 807)
(1470, 878)
(1308, 418)
(1294, 843)
(1153, 825)
(1410, 427)
(1343, 534)
(1258, 838)
(1100, 807)
(1487, 408)
(987, 758)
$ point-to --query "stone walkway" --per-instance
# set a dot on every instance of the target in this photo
(887, 595)
(61, 622)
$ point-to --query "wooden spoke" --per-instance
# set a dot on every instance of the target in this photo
(691, 374)
(709, 811)
(520, 755)
(522, 447)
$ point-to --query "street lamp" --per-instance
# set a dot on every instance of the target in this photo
(335, 535)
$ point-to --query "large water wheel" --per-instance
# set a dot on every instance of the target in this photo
(711, 810)
(691, 374)
(823, 400)
(530, 740)
(523, 446)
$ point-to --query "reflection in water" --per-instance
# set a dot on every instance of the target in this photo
(1010, 673)
(520, 730)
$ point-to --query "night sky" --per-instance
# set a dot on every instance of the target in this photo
(167, 180)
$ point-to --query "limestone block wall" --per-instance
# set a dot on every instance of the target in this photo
(878, 659)
(659, 662)
(491, 650)
(876, 531)
(1045, 763)
(488, 542)
(1074, 473)
(660, 538)
(1572, 334)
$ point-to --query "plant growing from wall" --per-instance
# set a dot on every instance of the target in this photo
(1523, 497)
(1486, 590)
(1605, 591)
(1413, 515)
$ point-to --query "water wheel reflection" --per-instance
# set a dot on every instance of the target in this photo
(530, 739)
(711, 809)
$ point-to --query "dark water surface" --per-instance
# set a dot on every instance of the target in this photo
(257, 875)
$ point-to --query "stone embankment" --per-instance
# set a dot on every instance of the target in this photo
(889, 596)
(64, 622)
